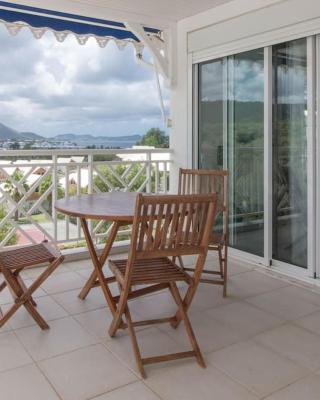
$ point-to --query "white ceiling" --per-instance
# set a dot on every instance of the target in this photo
(156, 12)
(172, 10)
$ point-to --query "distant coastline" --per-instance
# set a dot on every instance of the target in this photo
(11, 138)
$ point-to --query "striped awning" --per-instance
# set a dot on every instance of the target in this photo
(38, 20)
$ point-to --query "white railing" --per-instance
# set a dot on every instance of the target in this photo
(32, 180)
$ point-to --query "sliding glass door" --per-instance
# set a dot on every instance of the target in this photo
(233, 124)
(289, 161)
(230, 113)
(245, 150)
(210, 109)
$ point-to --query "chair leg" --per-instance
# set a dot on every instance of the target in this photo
(221, 262)
(181, 262)
(184, 316)
(134, 343)
(225, 271)
(3, 286)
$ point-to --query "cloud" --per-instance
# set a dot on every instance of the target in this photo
(50, 87)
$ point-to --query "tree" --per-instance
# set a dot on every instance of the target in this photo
(44, 186)
(15, 145)
(28, 146)
(11, 188)
(154, 137)
(5, 229)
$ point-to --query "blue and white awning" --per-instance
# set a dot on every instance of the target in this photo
(15, 17)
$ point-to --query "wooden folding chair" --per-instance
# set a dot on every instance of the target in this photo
(195, 181)
(12, 262)
(164, 227)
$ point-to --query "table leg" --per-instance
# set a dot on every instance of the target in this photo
(98, 263)
(102, 259)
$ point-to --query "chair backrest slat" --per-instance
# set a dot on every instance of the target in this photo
(197, 181)
(164, 226)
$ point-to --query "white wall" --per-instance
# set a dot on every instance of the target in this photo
(234, 27)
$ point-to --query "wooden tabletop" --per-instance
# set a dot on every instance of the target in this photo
(113, 206)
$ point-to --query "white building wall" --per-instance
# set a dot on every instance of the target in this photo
(229, 29)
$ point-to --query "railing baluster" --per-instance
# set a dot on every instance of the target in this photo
(79, 183)
(90, 183)
(54, 196)
(156, 177)
(67, 218)
(149, 173)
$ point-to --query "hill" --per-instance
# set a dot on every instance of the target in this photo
(8, 133)
(106, 141)
(31, 136)
(72, 137)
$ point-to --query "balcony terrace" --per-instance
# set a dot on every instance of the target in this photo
(261, 342)
(244, 90)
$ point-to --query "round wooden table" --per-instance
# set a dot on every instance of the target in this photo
(116, 207)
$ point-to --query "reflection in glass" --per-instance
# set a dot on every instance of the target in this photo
(290, 152)
(245, 150)
(211, 115)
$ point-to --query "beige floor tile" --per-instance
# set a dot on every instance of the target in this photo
(310, 322)
(208, 296)
(32, 273)
(97, 322)
(154, 306)
(211, 334)
(256, 367)
(39, 292)
(73, 305)
(25, 383)
(294, 342)
(64, 335)
(46, 306)
(78, 265)
(86, 272)
(152, 342)
(307, 389)
(62, 282)
(252, 283)
(6, 297)
(6, 327)
(134, 391)
(243, 319)
(36, 271)
(12, 353)
(310, 296)
(284, 303)
(86, 373)
(234, 267)
(183, 380)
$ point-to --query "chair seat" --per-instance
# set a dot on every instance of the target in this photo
(27, 256)
(149, 271)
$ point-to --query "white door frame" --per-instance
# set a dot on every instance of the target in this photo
(313, 163)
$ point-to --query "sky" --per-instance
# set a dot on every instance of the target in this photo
(54, 88)
(248, 78)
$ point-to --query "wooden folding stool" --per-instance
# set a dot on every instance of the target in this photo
(12, 262)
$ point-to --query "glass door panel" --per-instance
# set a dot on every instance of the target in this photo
(245, 150)
(210, 109)
(290, 152)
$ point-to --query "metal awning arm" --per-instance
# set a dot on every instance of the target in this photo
(157, 48)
